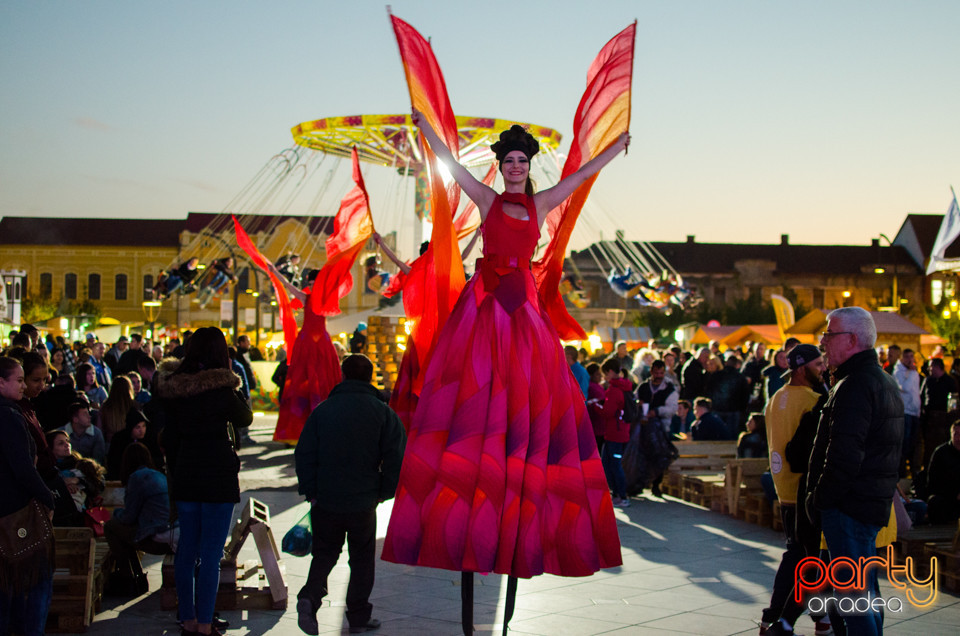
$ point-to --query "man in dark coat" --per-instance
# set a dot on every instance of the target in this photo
(729, 391)
(693, 376)
(348, 461)
(855, 462)
(943, 480)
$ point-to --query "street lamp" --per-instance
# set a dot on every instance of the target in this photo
(152, 309)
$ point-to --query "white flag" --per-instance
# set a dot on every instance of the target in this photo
(949, 231)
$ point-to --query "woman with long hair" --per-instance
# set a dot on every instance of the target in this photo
(26, 584)
(501, 471)
(57, 360)
(117, 408)
(201, 403)
(87, 382)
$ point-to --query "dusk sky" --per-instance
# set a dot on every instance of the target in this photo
(827, 121)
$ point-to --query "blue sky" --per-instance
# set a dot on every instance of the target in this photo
(828, 121)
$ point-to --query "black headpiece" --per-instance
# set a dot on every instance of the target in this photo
(516, 138)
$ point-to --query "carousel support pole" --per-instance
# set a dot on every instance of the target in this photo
(466, 600)
(511, 602)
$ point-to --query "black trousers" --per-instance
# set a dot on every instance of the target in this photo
(329, 531)
(781, 601)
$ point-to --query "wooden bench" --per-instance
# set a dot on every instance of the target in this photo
(696, 460)
(916, 542)
(74, 596)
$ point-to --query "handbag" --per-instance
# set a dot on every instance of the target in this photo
(95, 518)
(24, 533)
(298, 540)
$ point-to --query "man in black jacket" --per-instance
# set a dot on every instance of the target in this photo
(943, 480)
(693, 376)
(855, 462)
(348, 461)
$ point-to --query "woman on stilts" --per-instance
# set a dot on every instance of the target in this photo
(314, 367)
(501, 471)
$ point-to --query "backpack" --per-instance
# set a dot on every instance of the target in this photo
(631, 409)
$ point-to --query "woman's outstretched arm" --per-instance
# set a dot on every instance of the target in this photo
(391, 254)
(552, 197)
(291, 289)
(479, 193)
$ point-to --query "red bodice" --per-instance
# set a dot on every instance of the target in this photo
(506, 237)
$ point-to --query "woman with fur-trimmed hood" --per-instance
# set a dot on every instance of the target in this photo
(201, 405)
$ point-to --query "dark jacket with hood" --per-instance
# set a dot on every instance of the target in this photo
(855, 462)
(199, 410)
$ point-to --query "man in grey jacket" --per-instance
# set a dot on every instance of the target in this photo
(348, 461)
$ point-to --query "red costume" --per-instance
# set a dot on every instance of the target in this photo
(314, 369)
(501, 471)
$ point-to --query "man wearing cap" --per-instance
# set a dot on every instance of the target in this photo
(854, 466)
(783, 413)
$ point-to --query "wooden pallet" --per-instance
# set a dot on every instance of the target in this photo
(698, 488)
(756, 509)
(776, 520)
(913, 543)
(948, 564)
(72, 606)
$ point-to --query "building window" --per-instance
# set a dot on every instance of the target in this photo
(818, 299)
(93, 286)
(70, 286)
(147, 286)
(720, 295)
(936, 291)
(46, 285)
(120, 287)
(950, 287)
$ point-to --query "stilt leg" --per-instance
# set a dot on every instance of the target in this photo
(511, 602)
(466, 600)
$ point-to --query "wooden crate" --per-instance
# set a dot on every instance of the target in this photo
(697, 488)
(948, 564)
(912, 544)
(756, 509)
(72, 605)
(776, 521)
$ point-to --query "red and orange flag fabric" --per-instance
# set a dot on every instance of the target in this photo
(352, 228)
(287, 318)
(603, 114)
(428, 94)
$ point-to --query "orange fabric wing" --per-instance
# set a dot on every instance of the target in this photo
(603, 114)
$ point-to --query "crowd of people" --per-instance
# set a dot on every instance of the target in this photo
(75, 417)
(79, 414)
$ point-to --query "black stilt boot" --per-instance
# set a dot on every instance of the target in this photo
(466, 600)
(511, 602)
